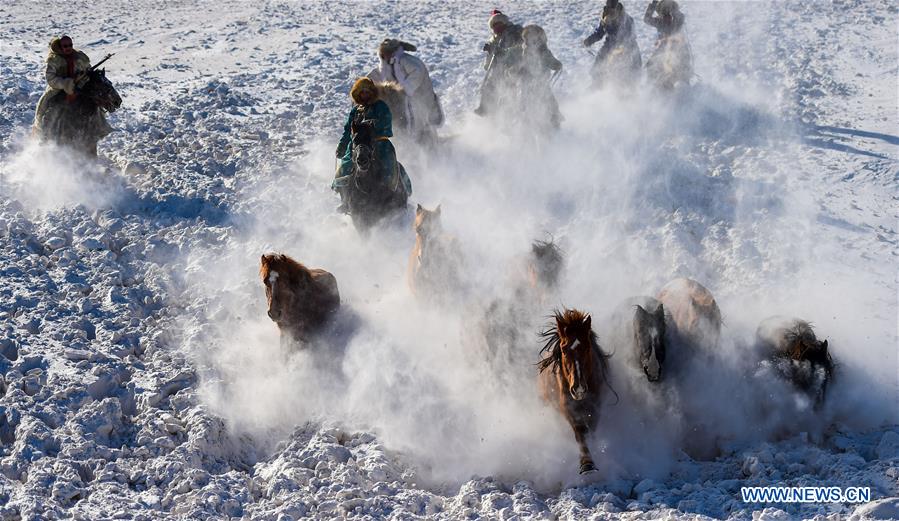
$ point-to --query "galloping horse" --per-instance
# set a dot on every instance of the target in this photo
(639, 333)
(373, 192)
(572, 375)
(799, 356)
(435, 263)
(671, 63)
(693, 311)
(80, 123)
(300, 300)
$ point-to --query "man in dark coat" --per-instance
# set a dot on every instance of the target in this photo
(504, 51)
(620, 55)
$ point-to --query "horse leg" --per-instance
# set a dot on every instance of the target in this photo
(586, 462)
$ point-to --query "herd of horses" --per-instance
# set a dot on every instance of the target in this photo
(572, 369)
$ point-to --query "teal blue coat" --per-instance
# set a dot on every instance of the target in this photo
(379, 113)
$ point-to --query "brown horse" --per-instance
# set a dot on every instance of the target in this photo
(300, 300)
(798, 354)
(572, 375)
(693, 311)
(435, 264)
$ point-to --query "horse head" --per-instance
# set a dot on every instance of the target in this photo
(283, 278)
(575, 342)
(427, 222)
(101, 92)
(649, 337)
(545, 264)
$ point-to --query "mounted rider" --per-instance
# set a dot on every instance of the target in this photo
(619, 55)
(422, 107)
(66, 71)
(537, 69)
(671, 62)
(370, 117)
(504, 50)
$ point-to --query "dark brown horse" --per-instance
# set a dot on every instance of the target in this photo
(300, 300)
(572, 375)
(798, 354)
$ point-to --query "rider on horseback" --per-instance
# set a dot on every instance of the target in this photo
(617, 27)
(369, 120)
(503, 59)
(537, 69)
(66, 71)
(671, 62)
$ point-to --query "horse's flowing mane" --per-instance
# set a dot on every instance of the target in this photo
(552, 344)
(803, 346)
(294, 271)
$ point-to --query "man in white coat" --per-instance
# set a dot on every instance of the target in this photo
(420, 113)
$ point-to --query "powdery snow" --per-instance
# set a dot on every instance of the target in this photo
(140, 377)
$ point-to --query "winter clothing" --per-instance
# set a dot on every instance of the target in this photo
(670, 19)
(422, 110)
(536, 67)
(61, 73)
(497, 18)
(377, 114)
(502, 63)
(619, 54)
(671, 62)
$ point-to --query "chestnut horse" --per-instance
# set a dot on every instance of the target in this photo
(300, 300)
(572, 375)
(693, 311)
(798, 354)
(435, 263)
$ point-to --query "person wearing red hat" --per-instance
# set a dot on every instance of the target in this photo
(503, 59)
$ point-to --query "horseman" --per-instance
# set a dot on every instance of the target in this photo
(422, 107)
(671, 61)
(503, 60)
(369, 120)
(537, 67)
(66, 72)
(620, 54)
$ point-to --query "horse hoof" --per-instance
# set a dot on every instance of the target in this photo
(587, 468)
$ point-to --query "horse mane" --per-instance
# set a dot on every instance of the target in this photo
(803, 345)
(294, 271)
(553, 348)
(548, 259)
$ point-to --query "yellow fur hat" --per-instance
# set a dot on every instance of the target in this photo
(361, 84)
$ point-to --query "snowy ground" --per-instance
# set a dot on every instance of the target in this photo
(141, 379)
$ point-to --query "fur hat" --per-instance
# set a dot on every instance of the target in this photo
(56, 43)
(362, 84)
(666, 7)
(390, 45)
(534, 33)
(496, 19)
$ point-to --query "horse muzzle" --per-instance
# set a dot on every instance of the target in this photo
(577, 393)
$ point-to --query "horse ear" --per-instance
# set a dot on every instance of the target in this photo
(824, 344)
(660, 311)
(418, 208)
(588, 320)
(262, 259)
